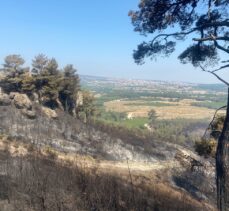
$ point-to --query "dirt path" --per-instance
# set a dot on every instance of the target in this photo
(137, 166)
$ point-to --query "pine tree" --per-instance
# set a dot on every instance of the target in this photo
(47, 84)
(39, 63)
(14, 71)
(68, 88)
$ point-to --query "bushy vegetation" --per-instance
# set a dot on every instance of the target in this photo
(206, 146)
(110, 116)
(46, 82)
(50, 83)
(209, 104)
(178, 130)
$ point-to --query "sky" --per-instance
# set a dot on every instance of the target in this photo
(96, 36)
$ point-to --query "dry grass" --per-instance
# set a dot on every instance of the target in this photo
(181, 109)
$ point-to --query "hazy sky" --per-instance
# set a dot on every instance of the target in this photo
(94, 35)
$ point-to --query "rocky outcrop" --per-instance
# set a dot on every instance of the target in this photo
(25, 105)
(22, 101)
(29, 114)
(12, 95)
(49, 112)
(195, 163)
(35, 97)
(189, 160)
(79, 99)
(4, 99)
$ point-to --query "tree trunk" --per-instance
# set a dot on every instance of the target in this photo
(222, 162)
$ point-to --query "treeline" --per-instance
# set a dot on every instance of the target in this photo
(45, 82)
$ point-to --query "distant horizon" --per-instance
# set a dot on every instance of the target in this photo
(143, 79)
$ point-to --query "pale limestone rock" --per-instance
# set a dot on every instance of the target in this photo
(4, 99)
(22, 101)
(35, 97)
(79, 99)
(29, 114)
(12, 95)
(49, 112)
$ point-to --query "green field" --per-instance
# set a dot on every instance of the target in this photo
(155, 94)
(207, 104)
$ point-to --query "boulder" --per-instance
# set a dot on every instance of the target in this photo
(4, 100)
(22, 101)
(12, 95)
(49, 112)
(35, 97)
(29, 114)
(190, 161)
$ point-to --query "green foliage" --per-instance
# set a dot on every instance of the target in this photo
(156, 17)
(69, 87)
(217, 126)
(28, 84)
(152, 116)
(110, 115)
(86, 109)
(14, 73)
(198, 54)
(13, 64)
(39, 63)
(10, 84)
(53, 85)
(177, 130)
(51, 68)
(206, 147)
(209, 104)
(135, 123)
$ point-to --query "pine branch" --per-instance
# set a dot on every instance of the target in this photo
(213, 119)
(213, 73)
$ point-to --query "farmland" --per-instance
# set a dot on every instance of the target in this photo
(183, 109)
(167, 110)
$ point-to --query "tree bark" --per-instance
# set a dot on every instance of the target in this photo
(222, 162)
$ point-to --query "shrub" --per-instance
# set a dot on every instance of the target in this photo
(206, 147)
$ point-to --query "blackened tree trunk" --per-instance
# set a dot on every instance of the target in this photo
(222, 161)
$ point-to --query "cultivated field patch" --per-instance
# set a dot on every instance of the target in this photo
(164, 109)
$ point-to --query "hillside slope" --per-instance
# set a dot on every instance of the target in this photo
(60, 141)
(66, 133)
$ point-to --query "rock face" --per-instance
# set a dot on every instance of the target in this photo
(29, 114)
(21, 101)
(24, 104)
(35, 97)
(49, 112)
(12, 95)
(79, 99)
(4, 99)
(188, 160)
